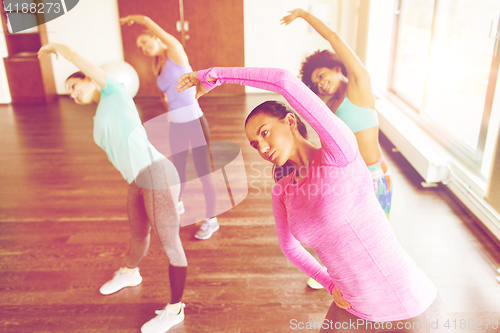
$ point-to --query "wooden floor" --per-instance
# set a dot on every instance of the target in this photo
(64, 231)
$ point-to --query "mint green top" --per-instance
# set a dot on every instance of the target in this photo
(119, 132)
(356, 117)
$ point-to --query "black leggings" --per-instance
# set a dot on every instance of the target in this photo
(339, 320)
(196, 134)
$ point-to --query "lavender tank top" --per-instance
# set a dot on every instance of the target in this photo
(183, 107)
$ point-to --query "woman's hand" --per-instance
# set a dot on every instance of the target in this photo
(88, 68)
(131, 19)
(189, 80)
(292, 16)
(46, 50)
(339, 300)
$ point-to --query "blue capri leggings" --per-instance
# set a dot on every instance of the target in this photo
(382, 184)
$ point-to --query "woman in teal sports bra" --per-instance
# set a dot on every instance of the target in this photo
(343, 82)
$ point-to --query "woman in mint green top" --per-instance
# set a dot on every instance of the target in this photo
(154, 183)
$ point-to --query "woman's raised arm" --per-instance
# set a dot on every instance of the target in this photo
(89, 69)
(336, 137)
(356, 71)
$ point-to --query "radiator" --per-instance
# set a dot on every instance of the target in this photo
(435, 165)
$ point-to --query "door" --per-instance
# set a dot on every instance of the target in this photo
(214, 37)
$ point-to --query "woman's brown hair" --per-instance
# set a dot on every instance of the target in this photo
(279, 110)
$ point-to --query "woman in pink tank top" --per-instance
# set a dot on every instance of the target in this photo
(327, 203)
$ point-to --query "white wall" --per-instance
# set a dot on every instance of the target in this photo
(93, 30)
(4, 84)
(269, 44)
(379, 42)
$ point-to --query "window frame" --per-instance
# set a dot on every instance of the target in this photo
(472, 158)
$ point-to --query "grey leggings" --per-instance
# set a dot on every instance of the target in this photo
(152, 204)
(435, 315)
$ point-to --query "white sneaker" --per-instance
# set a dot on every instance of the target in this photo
(314, 284)
(121, 280)
(164, 320)
(208, 227)
(180, 207)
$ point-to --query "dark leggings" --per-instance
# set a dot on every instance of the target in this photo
(153, 205)
(197, 134)
(339, 320)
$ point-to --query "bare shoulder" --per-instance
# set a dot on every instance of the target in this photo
(360, 94)
(178, 55)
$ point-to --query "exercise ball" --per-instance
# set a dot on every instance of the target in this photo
(124, 73)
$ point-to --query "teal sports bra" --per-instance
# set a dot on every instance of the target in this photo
(357, 118)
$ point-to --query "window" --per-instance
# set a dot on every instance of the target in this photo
(444, 64)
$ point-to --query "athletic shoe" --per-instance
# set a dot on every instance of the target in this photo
(314, 284)
(180, 207)
(164, 320)
(208, 227)
(121, 280)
